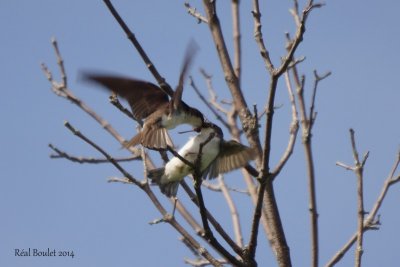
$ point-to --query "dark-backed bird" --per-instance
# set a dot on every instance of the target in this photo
(151, 103)
(218, 156)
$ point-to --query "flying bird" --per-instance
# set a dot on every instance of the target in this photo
(218, 156)
(160, 110)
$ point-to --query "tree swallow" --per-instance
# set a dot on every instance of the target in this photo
(218, 156)
(148, 101)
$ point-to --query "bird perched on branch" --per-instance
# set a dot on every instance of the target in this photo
(208, 152)
(151, 103)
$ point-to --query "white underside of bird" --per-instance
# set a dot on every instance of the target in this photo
(176, 169)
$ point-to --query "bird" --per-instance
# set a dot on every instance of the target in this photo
(218, 156)
(161, 110)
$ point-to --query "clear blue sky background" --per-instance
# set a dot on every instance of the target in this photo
(57, 204)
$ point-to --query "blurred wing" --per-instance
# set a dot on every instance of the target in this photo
(143, 97)
(187, 61)
(233, 155)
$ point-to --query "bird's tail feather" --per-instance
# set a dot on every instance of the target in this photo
(169, 189)
(157, 139)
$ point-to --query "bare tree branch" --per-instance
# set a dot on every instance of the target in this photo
(115, 101)
(307, 122)
(233, 209)
(370, 222)
(237, 47)
(61, 154)
(61, 89)
(221, 231)
(161, 81)
(246, 118)
(145, 187)
(294, 128)
(208, 234)
(358, 169)
(193, 12)
(202, 98)
(105, 154)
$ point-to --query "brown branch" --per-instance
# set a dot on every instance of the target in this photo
(122, 180)
(237, 56)
(280, 247)
(61, 89)
(301, 28)
(239, 102)
(233, 209)
(193, 12)
(208, 234)
(259, 37)
(359, 167)
(204, 100)
(220, 230)
(61, 154)
(217, 188)
(213, 96)
(317, 79)
(200, 262)
(307, 122)
(160, 80)
(188, 217)
(370, 222)
(306, 127)
(294, 128)
(205, 215)
(145, 187)
(115, 102)
(105, 154)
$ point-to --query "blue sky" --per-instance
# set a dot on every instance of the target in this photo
(60, 205)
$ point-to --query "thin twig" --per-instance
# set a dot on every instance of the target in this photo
(193, 12)
(307, 122)
(280, 247)
(220, 230)
(233, 209)
(122, 180)
(213, 96)
(317, 79)
(145, 187)
(61, 89)
(160, 80)
(239, 102)
(358, 169)
(115, 101)
(105, 154)
(294, 128)
(208, 234)
(202, 98)
(205, 215)
(217, 188)
(62, 154)
(259, 37)
(200, 262)
(370, 222)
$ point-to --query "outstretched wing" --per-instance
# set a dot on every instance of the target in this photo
(143, 97)
(187, 61)
(233, 155)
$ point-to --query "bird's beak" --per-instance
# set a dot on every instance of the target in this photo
(197, 130)
(188, 131)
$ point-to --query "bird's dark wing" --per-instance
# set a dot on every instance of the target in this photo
(188, 59)
(233, 155)
(143, 97)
